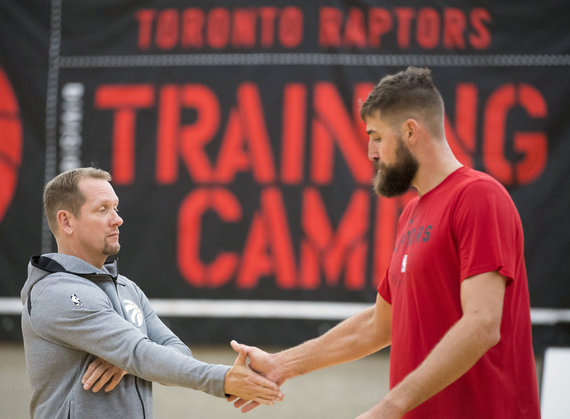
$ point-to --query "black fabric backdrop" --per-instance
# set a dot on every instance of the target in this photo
(232, 134)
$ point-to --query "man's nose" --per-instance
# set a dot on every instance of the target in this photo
(117, 220)
(372, 151)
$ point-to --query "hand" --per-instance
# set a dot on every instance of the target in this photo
(261, 362)
(101, 372)
(244, 383)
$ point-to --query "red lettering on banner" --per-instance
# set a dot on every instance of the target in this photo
(269, 231)
(189, 140)
(291, 27)
(355, 30)
(253, 120)
(194, 137)
(218, 32)
(267, 17)
(532, 145)
(167, 135)
(322, 247)
(453, 36)
(220, 270)
(326, 253)
(332, 121)
(462, 139)
(232, 157)
(167, 29)
(192, 28)
(244, 28)
(294, 128)
(361, 92)
(404, 16)
(125, 99)
(481, 39)
(428, 28)
(379, 24)
(219, 27)
(145, 18)
(330, 21)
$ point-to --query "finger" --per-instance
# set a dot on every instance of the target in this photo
(242, 357)
(92, 367)
(102, 381)
(263, 400)
(95, 375)
(260, 380)
(113, 383)
(240, 402)
(238, 347)
(249, 407)
(231, 398)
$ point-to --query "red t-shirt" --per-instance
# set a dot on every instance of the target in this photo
(466, 226)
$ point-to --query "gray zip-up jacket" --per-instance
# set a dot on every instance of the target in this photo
(73, 313)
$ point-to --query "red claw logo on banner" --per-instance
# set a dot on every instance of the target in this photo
(10, 143)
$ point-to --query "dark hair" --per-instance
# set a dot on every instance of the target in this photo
(62, 192)
(409, 93)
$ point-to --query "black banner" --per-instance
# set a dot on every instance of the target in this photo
(232, 132)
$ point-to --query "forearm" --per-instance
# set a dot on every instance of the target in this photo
(461, 347)
(352, 339)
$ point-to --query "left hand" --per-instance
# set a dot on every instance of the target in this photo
(99, 373)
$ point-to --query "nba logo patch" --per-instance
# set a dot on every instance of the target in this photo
(75, 300)
(404, 263)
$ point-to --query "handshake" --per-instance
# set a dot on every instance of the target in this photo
(248, 386)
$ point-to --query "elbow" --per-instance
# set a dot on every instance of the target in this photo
(489, 333)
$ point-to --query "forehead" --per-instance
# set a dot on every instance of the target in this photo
(375, 123)
(97, 191)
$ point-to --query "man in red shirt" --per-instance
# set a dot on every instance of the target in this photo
(454, 303)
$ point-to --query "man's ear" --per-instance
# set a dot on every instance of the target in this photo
(410, 131)
(65, 221)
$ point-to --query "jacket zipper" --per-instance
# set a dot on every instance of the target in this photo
(140, 397)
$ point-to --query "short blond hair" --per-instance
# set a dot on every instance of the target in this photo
(62, 192)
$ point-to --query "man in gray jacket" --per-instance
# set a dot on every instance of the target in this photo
(83, 323)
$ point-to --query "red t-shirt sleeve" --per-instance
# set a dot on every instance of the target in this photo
(487, 230)
(384, 287)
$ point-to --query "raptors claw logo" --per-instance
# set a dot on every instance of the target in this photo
(134, 313)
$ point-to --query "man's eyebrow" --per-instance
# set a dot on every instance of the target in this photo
(370, 131)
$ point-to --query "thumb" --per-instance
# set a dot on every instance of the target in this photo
(242, 355)
(236, 346)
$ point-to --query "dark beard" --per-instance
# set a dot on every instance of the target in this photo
(396, 179)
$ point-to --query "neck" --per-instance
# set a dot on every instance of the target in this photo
(436, 164)
(64, 249)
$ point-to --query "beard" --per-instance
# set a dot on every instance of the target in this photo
(111, 249)
(395, 179)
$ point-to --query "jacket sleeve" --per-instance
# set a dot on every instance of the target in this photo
(75, 313)
(156, 330)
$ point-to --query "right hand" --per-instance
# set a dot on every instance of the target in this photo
(244, 383)
(101, 373)
(261, 362)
